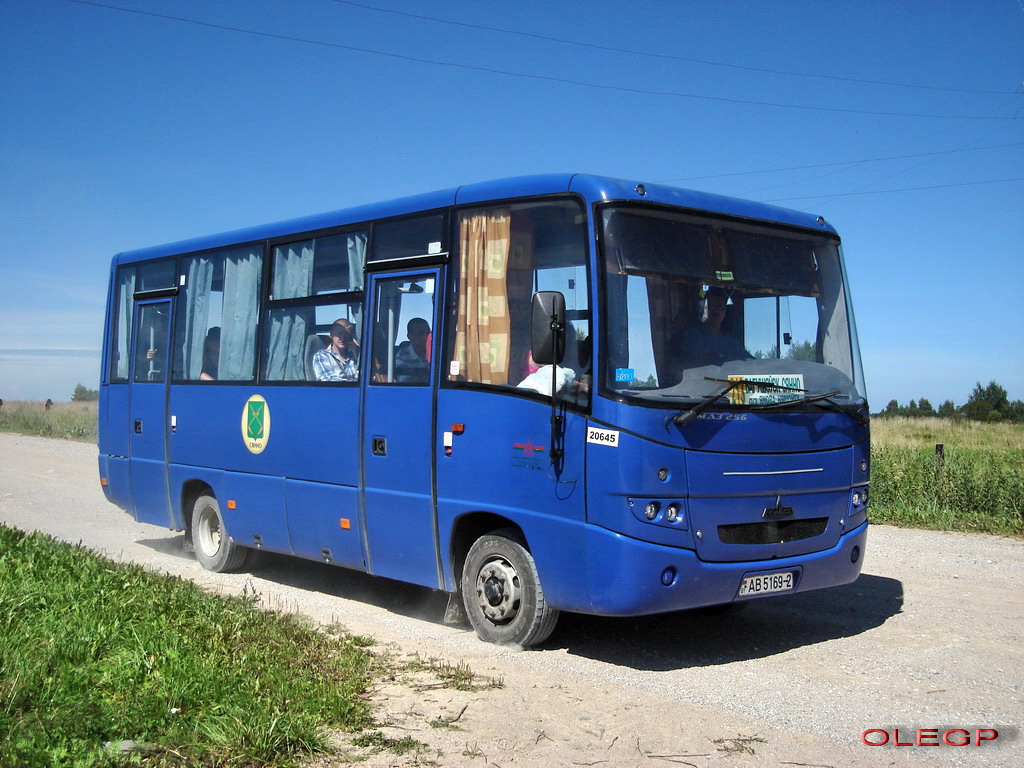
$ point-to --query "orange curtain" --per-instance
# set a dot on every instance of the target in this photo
(483, 327)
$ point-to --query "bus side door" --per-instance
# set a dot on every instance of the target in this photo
(397, 429)
(147, 413)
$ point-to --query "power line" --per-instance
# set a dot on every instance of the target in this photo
(832, 165)
(903, 189)
(911, 142)
(545, 78)
(671, 57)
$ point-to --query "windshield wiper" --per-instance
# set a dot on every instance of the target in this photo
(825, 399)
(680, 419)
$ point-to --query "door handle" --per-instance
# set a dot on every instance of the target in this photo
(380, 446)
(138, 426)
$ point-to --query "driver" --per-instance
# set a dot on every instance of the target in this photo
(706, 343)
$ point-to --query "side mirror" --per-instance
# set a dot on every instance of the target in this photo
(547, 328)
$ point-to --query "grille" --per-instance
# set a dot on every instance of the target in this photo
(772, 532)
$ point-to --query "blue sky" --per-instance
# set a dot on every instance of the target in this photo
(901, 123)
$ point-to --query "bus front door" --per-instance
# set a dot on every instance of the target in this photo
(147, 422)
(397, 430)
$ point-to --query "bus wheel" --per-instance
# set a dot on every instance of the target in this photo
(214, 550)
(502, 593)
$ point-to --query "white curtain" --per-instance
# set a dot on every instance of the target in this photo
(198, 284)
(125, 305)
(356, 259)
(293, 278)
(242, 269)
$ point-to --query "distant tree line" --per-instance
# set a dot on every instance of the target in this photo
(85, 395)
(989, 403)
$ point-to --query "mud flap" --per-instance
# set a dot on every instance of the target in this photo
(455, 613)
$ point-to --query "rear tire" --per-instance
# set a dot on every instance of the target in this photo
(215, 550)
(502, 593)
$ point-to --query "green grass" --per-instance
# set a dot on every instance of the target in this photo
(71, 421)
(980, 486)
(958, 433)
(458, 677)
(376, 741)
(93, 651)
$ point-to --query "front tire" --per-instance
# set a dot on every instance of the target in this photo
(502, 593)
(215, 550)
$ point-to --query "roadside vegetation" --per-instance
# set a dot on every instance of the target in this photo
(973, 482)
(96, 653)
(955, 468)
(74, 420)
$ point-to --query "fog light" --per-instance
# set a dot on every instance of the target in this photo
(651, 510)
(855, 554)
(668, 577)
(672, 513)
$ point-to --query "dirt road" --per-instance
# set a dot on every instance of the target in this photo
(928, 638)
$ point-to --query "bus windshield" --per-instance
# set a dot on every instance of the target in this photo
(697, 306)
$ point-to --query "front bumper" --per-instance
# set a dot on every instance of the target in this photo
(629, 577)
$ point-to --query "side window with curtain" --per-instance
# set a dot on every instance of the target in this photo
(218, 311)
(314, 318)
(121, 325)
(506, 254)
(144, 276)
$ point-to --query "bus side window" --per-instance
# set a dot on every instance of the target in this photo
(402, 333)
(215, 329)
(505, 255)
(316, 288)
(151, 344)
(121, 325)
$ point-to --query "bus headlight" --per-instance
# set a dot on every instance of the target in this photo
(858, 499)
(652, 509)
(672, 512)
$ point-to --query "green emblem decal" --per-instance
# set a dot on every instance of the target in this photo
(255, 419)
(255, 424)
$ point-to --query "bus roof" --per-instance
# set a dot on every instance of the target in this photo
(592, 188)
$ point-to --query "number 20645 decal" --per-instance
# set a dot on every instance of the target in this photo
(603, 436)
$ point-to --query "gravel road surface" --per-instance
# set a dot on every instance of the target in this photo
(928, 638)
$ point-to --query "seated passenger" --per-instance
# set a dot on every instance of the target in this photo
(706, 344)
(539, 379)
(339, 361)
(412, 365)
(211, 355)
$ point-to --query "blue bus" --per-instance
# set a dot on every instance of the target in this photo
(540, 394)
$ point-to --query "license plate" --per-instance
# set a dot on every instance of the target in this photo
(766, 583)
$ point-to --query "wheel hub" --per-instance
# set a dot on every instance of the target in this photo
(498, 591)
(494, 591)
(209, 532)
